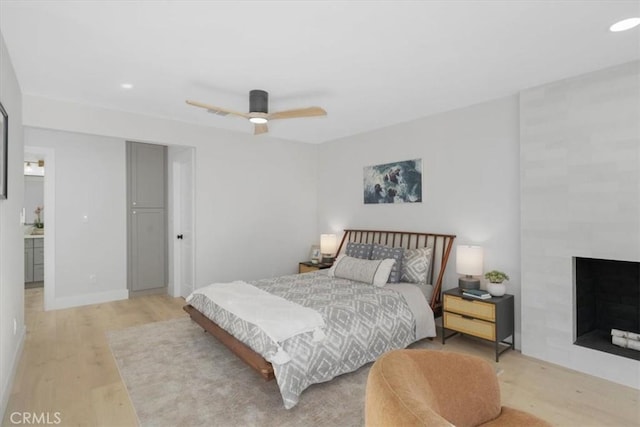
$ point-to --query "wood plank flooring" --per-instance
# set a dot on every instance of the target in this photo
(67, 367)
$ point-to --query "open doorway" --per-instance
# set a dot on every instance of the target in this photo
(33, 221)
(38, 239)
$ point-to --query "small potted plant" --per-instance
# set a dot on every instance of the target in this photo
(496, 287)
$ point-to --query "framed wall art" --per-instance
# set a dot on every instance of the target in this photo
(4, 151)
(398, 182)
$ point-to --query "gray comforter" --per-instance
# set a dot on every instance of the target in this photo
(362, 322)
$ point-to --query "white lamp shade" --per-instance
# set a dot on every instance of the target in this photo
(328, 243)
(469, 260)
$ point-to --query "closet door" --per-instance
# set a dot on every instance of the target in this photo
(148, 171)
(147, 256)
(147, 220)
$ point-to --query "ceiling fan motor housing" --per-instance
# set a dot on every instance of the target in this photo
(258, 101)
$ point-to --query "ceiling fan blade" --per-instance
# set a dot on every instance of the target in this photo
(299, 112)
(216, 110)
(261, 128)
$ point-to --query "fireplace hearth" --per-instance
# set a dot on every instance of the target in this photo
(607, 297)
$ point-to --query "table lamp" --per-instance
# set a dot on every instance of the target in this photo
(328, 247)
(469, 263)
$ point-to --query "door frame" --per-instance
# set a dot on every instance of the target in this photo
(177, 156)
(50, 223)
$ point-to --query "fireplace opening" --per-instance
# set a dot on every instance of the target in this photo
(607, 297)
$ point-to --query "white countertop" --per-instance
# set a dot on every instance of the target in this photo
(34, 236)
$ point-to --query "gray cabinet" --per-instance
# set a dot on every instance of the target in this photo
(147, 219)
(38, 260)
(33, 260)
(28, 260)
(147, 255)
(147, 175)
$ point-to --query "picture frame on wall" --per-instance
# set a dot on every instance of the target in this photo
(4, 151)
(397, 182)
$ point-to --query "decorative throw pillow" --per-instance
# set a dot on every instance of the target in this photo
(415, 265)
(385, 252)
(359, 250)
(373, 272)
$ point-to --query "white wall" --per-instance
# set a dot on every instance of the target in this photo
(470, 182)
(11, 234)
(90, 221)
(256, 210)
(580, 166)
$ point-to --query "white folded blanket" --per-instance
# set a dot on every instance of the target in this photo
(279, 319)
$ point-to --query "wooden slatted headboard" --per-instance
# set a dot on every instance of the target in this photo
(441, 245)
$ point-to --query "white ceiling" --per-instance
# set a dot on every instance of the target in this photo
(370, 64)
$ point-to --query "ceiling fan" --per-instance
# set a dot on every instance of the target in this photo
(259, 111)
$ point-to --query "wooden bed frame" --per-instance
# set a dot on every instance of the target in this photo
(441, 244)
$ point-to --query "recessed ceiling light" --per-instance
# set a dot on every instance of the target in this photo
(624, 25)
(126, 86)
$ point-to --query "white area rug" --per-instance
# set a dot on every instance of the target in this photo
(178, 375)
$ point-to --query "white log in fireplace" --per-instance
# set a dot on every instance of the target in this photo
(580, 198)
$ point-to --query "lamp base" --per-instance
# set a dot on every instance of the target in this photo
(468, 283)
(328, 259)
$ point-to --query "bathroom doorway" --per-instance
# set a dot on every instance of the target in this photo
(37, 222)
(33, 211)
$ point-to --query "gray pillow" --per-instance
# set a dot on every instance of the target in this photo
(415, 265)
(359, 250)
(385, 252)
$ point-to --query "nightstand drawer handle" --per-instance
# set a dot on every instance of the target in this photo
(467, 317)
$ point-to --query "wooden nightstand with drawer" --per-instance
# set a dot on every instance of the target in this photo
(489, 319)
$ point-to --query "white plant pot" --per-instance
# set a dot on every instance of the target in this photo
(496, 289)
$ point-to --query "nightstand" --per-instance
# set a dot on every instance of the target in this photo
(307, 266)
(490, 319)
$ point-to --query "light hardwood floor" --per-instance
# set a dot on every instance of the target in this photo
(67, 367)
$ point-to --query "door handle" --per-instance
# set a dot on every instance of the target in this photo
(179, 236)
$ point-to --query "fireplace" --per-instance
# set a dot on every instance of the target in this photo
(607, 296)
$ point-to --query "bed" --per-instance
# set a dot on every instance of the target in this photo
(362, 321)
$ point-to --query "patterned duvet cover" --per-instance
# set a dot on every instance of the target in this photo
(362, 323)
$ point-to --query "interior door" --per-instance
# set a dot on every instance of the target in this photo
(183, 223)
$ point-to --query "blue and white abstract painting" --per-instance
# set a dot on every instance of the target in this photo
(398, 182)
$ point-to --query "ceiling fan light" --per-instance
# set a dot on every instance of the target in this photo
(624, 25)
(258, 120)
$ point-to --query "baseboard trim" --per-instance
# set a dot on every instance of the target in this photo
(155, 291)
(88, 299)
(6, 388)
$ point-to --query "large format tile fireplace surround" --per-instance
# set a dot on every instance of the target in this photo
(580, 200)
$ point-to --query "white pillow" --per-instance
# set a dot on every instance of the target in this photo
(374, 272)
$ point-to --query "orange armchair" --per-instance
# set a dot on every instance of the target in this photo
(437, 388)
